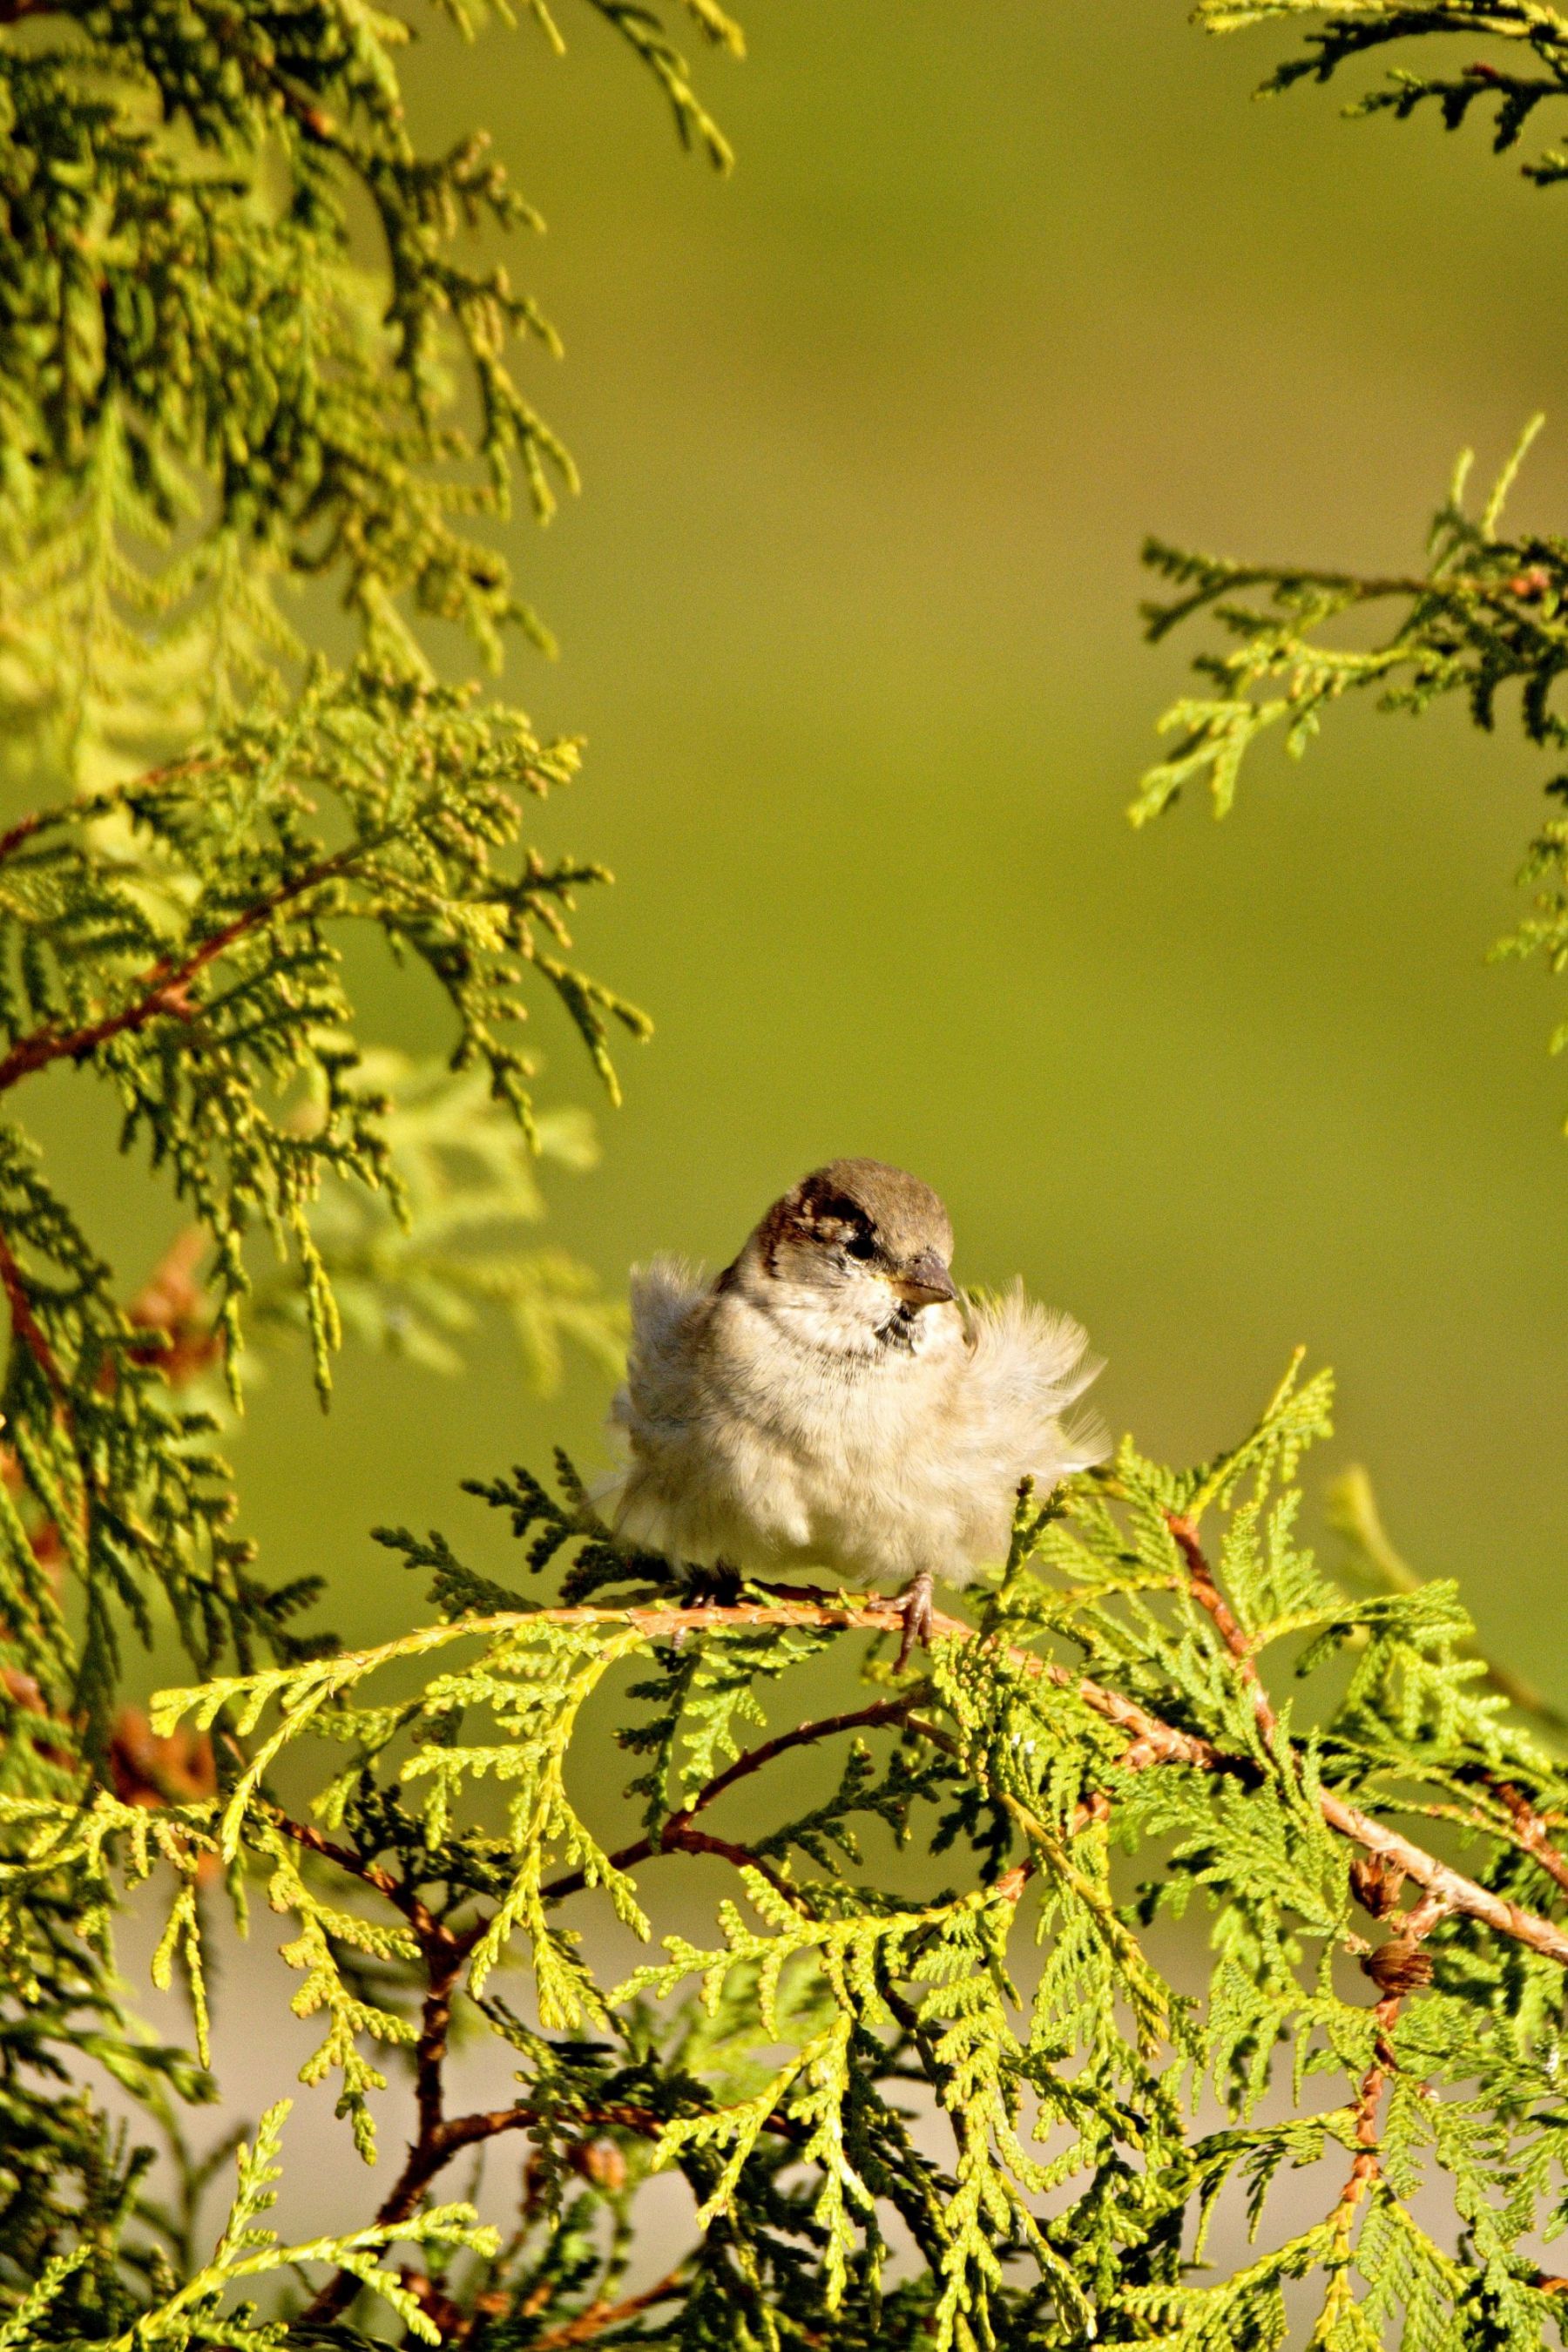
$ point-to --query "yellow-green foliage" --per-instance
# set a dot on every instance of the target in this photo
(940, 2075)
(1086, 2120)
(1485, 611)
(258, 348)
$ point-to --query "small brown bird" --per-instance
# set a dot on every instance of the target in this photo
(832, 1400)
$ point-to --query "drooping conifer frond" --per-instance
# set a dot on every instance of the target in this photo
(189, 325)
(411, 1267)
(254, 338)
(182, 936)
(210, 387)
(1486, 611)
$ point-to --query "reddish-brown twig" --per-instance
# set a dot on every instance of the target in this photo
(600, 2316)
(671, 1836)
(164, 989)
(1398, 1967)
(1533, 1833)
(1450, 1889)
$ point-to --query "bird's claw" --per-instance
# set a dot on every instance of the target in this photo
(917, 1615)
(713, 1586)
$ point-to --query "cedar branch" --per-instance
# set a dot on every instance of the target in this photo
(671, 1835)
(1447, 1887)
(438, 2141)
(1153, 1741)
(164, 989)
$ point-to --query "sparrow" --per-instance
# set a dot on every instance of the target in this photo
(833, 1399)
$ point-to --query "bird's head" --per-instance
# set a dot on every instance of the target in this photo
(862, 1253)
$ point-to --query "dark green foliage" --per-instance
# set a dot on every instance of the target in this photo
(1506, 89)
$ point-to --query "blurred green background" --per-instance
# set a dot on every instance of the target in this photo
(870, 433)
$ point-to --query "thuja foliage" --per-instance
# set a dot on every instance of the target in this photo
(952, 2098)
(888, 1983)
(265, 391)
(254, 340)
(1487, 611)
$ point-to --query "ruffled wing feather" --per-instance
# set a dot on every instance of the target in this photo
(652, 1412)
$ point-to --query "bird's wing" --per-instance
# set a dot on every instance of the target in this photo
(668, 1296)
(654, 1404)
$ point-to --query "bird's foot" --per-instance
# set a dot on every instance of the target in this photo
(917, 1613)
(714, 1586)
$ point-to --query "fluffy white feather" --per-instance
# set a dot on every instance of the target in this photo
(771, 1423)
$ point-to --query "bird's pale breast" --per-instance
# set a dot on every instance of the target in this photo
(753, 1445)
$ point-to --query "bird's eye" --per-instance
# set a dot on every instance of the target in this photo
(860, 1245)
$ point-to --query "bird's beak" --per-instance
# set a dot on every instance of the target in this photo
(925, 1281)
